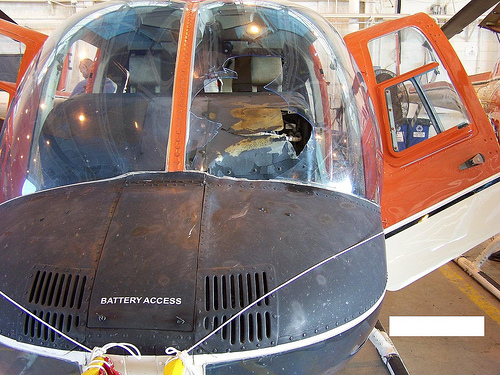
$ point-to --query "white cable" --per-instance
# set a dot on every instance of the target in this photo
(183, 356)
(100, 352)
(130, 348)
(43, 322)
(96, 352)
(313, 267)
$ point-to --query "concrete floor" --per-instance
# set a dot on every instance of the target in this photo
(448, 291)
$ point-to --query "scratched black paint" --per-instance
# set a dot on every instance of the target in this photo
(174, 235)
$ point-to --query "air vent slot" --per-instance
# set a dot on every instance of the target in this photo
(224, 292)
(34, 329)
(54, 289)
(59, 297)
(249, 327)
(228, 291)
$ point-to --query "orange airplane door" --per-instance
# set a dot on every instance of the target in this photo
(441, 155)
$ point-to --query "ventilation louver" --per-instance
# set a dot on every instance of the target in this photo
(224, 293)
(60, 298)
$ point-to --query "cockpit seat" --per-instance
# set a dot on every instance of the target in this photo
(266, 70)
(252, 74)
(145, 73)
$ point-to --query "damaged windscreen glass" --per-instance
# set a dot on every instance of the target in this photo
(275, 96)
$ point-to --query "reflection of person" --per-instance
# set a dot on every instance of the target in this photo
(85, 68)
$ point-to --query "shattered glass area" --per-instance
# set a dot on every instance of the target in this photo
(276, 97)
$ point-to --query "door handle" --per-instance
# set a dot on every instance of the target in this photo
(472, 162)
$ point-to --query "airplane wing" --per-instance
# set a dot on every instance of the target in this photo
(441, 170)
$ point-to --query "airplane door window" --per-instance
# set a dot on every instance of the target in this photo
(10, 58)
(10, 61)
(418, 110)
(419, 95)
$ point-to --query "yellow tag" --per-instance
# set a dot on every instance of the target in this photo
(98, 361)
(174, 367)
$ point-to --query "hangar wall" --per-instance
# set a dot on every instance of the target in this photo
(477, 48)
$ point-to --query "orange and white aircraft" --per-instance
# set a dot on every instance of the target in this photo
(233, 188)
(437, 158)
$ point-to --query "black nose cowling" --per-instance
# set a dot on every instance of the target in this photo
(163, 259)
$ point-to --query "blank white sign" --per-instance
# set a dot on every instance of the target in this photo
(436, 326)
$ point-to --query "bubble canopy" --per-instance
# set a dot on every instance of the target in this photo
(246, 90)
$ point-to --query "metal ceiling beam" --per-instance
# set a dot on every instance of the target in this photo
(466, 15)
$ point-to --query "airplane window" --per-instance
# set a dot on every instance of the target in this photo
(10, 58)
(274, 95)
(273, 98)
(402, 51)
(408, 129)
(4, 99)
(419, 109)
(18, 361)
(11, 55)
(106, 97)
(426, 104)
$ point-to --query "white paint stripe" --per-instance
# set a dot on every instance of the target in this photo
(436, 326)
(421, 248)
(203, 359)
(64, 355)
(150, 364)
